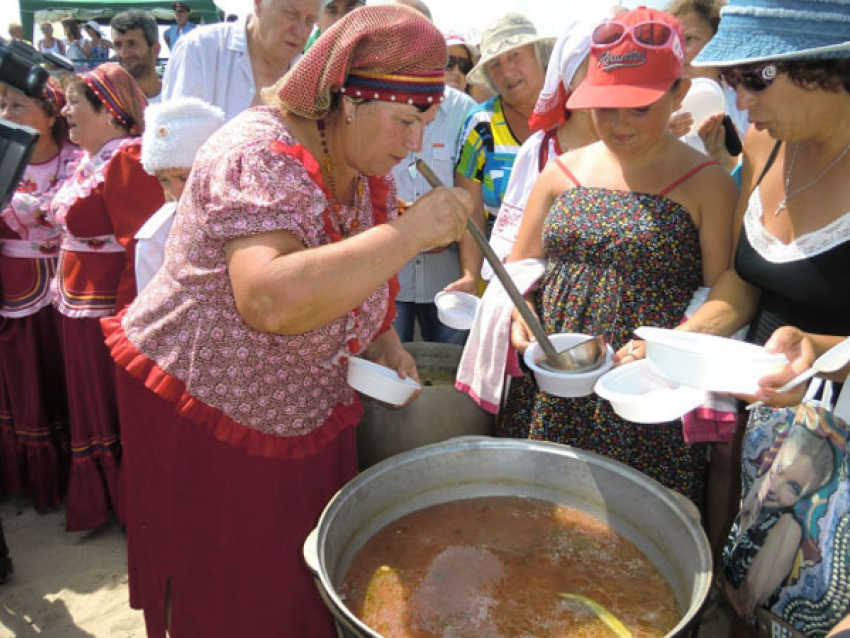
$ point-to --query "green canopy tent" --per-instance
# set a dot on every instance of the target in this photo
(103, 10)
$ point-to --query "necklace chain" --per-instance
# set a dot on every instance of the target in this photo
(783, 205)
(327, 162)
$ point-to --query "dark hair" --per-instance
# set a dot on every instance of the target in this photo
(829, 75)
(129, 20)
(708, 10)
(73, 27)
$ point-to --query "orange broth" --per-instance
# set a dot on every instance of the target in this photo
(494, 567)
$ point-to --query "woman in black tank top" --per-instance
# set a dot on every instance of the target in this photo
(790, 268)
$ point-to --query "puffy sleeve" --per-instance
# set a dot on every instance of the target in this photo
(131, 196)
(254, 189)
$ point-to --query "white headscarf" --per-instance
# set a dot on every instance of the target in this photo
(571, 48)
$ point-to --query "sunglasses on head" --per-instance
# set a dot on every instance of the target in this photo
(463, 64)
(753, 78)
(650, 34)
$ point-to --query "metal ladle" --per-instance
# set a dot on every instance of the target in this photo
(582, 357)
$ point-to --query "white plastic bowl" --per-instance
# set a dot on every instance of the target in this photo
(563, 383)
(640, 396)
(704, 98)
(708, 362)
(379, 382)
(456, 309)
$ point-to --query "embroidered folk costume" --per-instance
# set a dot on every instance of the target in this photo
(34, 445)
(99, 209)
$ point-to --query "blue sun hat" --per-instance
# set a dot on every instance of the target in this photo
(754, 31)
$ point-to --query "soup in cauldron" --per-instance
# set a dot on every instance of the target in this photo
(506, 567)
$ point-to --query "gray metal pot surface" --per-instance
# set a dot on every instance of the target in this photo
(439, 413)
(466, 467)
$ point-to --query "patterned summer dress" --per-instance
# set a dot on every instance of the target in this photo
(616, 260)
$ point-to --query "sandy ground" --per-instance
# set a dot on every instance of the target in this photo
(65, 584)
(74, 584)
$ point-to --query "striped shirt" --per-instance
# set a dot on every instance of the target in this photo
(487, 154)
(427, 274)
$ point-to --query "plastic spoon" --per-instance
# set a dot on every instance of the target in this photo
(573, 359)
(833, 359)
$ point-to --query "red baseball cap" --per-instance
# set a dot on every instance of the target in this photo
(635, 58)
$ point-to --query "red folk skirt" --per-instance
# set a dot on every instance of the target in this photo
(93, 487)
(217, 513)
(34, 448)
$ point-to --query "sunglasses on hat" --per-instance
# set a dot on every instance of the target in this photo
(650, 34)
(753, 79)
(463, 64)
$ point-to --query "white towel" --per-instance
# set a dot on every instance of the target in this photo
(481, 372)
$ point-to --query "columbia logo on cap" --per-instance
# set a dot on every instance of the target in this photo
(609, 61)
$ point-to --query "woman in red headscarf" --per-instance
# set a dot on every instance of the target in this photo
(238, 422)
(34, 453)
(99, 209)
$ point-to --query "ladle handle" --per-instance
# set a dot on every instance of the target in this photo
(502, 274)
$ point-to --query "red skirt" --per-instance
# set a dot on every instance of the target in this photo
(36, 441)
(217, 513)
(10, 468)
(93, 487)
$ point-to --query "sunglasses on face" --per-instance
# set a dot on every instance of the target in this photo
(463, 64)
(754, 79)
(649, 34)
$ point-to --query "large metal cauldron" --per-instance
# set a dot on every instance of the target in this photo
(439, 413)
(636, 506)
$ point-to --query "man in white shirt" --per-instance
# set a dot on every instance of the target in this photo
(228, 64)
(135, 38)
(429, 272)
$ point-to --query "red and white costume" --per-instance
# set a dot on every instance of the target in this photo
(99, 210)
(34, 452)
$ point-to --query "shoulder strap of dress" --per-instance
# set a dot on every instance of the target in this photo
(770, 160)
(567, 171)
(696, 169)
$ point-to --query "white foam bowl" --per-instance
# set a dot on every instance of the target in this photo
(641, 396)
(704, 99)
(456, 309)
(708, 362)
(379, 382)
(562, 383)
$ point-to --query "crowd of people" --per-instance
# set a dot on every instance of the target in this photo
(191, 259)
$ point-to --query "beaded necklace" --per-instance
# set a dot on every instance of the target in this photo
(335, 223)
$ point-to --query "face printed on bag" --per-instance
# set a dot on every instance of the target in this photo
(796, 471)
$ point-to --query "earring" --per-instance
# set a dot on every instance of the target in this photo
(349, 119)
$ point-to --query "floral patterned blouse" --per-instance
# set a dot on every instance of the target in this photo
(252, 177)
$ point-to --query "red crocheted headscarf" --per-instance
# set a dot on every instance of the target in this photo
(385, 52)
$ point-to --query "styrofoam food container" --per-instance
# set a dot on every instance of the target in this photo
(563, 383)
(456, 309)
(379, 382)
(708, 362)
(639, 395)
(704, 98)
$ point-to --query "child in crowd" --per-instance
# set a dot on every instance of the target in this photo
(174, 131)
